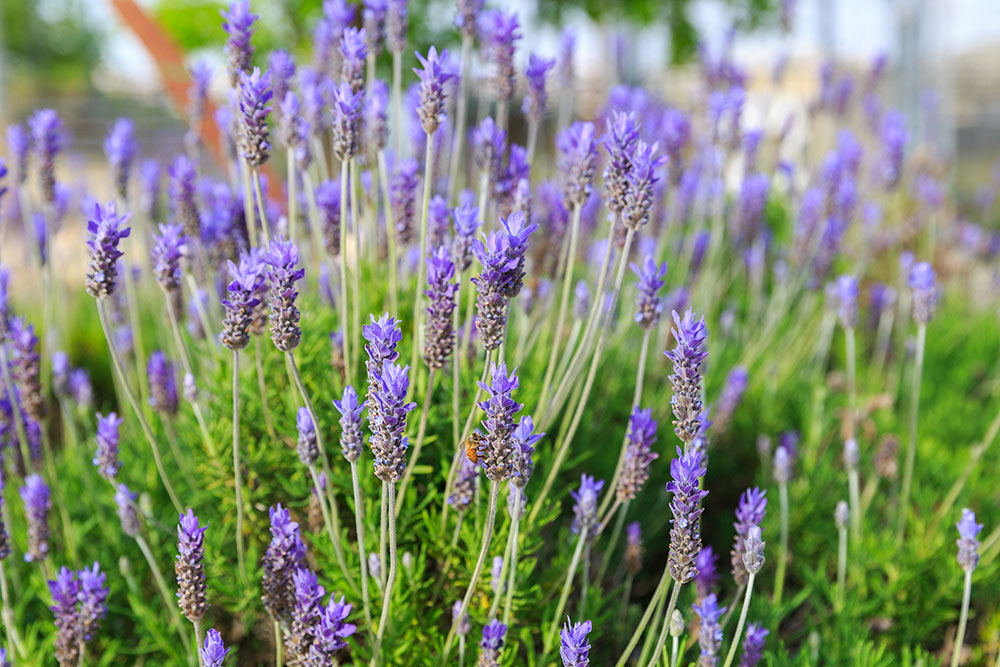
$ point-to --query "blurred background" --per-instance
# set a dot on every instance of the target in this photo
(88, 59)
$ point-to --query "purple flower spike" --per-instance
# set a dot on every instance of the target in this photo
(687, 356)
(240, 303)
(753, 645)
(968, 540)
(127, 515)
(685, 532)
(305, 616)
(169, 248)
(638, 456)
(47, 139)
(121, 149)
(585, 507)
(282, 258)
(282, 66)
(894, 138)
(488, 142)
(19, 146)
(574, 649)
(638, 200)
(497, 452)
(536, 100)
(376, 121)
(396, 24)
(162, 384)
(213, 652)
(518, 232)
(524, 449)
(650, 281)
(351, 439)
(633, 547)
(925, 293)
(93, 600)
(254, 137)
(307, 448)
(37, 503)
(439, 334)
(710, 637)
(181, 195)
(492, 643)
(467, 222)
(106, 229)
(353, 51)
(467, 15)
(65, 591)
(388, 442)
(285, 554)
(189, 567)
(106, 458)
(403, 197)
(346, 121)
(238, 25)
(491, 293)
(330, 632)
(708, 575)
(465, 625)
(751, 512)
(621, 136)
(373, 18)
(293, 129)
(328, 202)
(383, 335)
(433, 76)
(26, 367)
(4, 540)
(847, 301)
(465, 486)
(500, 31)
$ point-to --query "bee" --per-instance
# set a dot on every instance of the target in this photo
(472, 445)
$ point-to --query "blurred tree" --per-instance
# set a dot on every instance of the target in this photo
(48, 45)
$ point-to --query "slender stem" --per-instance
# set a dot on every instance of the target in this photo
(359, 525)
(10, 625)
(237, 472)
(674, 649)
(248, 207)
(397, 105)
(661, 589)
(459, 136)
(262, 387)
(484, 549)
(739, 624)
(976, 454)
(8, 383)
(504, 563)
(139, 355)
(841, 568)
(189, 369)
(356, 221)
(626, 596)
(852, 390)
(161, 584)
(584, 583)
(344, 326)
(261, 211)
(387, 593)
(855, 495)
(662, 639)
(198, 640)
(613, 540)
(292, 223)
(532, 140)
(963, 619)
(779, 577)
(512, 580)
(278, 644)
(390, 234)
(421, 430)
(331, 531)
(418, 314)
(136, 407)
(911, 452)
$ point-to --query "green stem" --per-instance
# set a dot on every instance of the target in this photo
(261, 211)
(911, 452)
(484, 549)
(855, 494)
(169, 601)
(421, 263)
(739, 624)
(356, 221)
(10, 626)
(512, 580)
(662, 639)
(841, 568)
(382, 535)
(344, 321)
(779, 577)
(615, 534)
(661, 589)
(189, 369)
(359, 525)
(963, 619)
(278, 644)
(498, 593)
(248, 207)
(136, 407)
(421, 430)
(387, 593)
(237, 472)
(198, 641)
(390, 235)
(459, 136)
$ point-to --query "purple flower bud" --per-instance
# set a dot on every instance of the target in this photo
(577, 146)
(121, 149)
(851, 454)
(47, 139)
(753, 645)
(330, 632)
(373, 18)
(465, 485)
(305, 616)
(402, 197)
(968, 541)
(499, 31)
(26, 368)
(125, 500)
(353, 50)
(708, 575)
(351, 439)
(574, 649)
(383, 335)
(621, 136)
(497, 450)
(524, 450)
(282, 258)
(328, 196)
(285, 555)
(467, 222)
(535, 101)
(750, 512)
(640, 179)
(687, 356)
(467, 15)
(585, 507)
(254, 137)
(439, 334)
(841, 515)
(238, 25)
(465, 625)
(213, 652)
(847, 301)
(396, 24)
(189, 568)
(346, 121)
(293, 130)
(433, 76)
(650, 280)
(106, 458)
(162, 384)
(633, 548)
(388, 442)
(282, 67)
(246, 280)
(80, 387)
(65, 591)
(106, 229)
(181, 195)
(488, 142)
(638, 455)
(894, 139)
(753, 556)
(169, 248)
(37, 503)
(925, 292)
(782, 465)
(685, 532)
(19, 145)
(93, 600)
(307, 448)
(492, 643)
(710, 637)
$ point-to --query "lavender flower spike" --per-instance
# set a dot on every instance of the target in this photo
(162, 384)
(353, 50)
(439, 333)
(330, 632)
(106, 229)
(383, 336)
(753, 556)
(351, 439)
(433, 76)
(396, 23)
(254, 136)
(47, 139)
(169, 248)
(500, 31)
(968, 542)
(585, 507)
(641, 178)
(685, 532)
(307, 447)
(346, 121)
(388, 442)
(19, 148)
(847, 301)
(106, 457)
(238, 25)
(492, 644)
(239, 305)
(753, 645)
(925, 293)
(37, 503)
(638, 456)
(751, 512)
(129, 518)
(305, 616)
(574, 649)
(26, 367)
(189, 567)
(464, 488)
(491, 296)
(283, 259)
(577, 146)
(732, 392)
(181, 194)
(65, 590)
(708, 575)
(710, 637)
(93, 600)
(121, 149)
(285, 554)
(213, 652)
(536, 100)
(650, 281)
(497, 452)
(687, 357)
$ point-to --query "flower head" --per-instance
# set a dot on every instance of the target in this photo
(685, 532)
(376, 123)
(925, 292)
(213, 652)
(640, 180)
(465, 485)
(121, 149)
(346, 121)
(19, 147)
(753, 556)
(750, 512)
(65, 591)
(492, 643)
(388, 442)
(753, 645)
(497, 451)
(402, 197)
(106, 458)
(536, 73)
(350, 423)
(621, 136)
(710, 637)
(847, 301)
(466, 218)
(246, 280)
(169, 248)
(433, 75)
(650, 281)
(373, 17)
(396, 23)
(106, 229)
(189, 567)
(633, 547)
(708, 575)
(93, 600)
(353, 51)
(524, 449)
(127, 515)
(162, 383)
(254, 137)
(37, 503)
(47, 139)
(181, 195)
(574, 649)
(285, 554)
(687, 356)
(585, 505)
(238, 25)
(968, 540)
(330, 632)
(638, 455)
(500, 31)
(308, 449)
(439, 334)
(282, 259)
